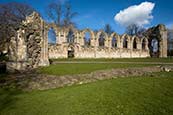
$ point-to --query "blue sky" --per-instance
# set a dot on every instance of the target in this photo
(95, 14)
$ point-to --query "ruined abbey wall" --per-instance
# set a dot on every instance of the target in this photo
(29, 48)
(81, 50)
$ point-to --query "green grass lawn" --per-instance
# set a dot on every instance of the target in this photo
(81, 68)
(121, 96)
(165, 60)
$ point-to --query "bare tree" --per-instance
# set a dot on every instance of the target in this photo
(108, 29)
(11, 16)
(134, 29)
(61, 14)
(14, 12)
(69, 15)
(54, 12)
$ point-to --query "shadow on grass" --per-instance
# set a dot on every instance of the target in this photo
(8, 97)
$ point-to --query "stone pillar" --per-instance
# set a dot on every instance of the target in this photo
(118, 42)
(163, 43)
(81, 40)
(63, 36)
(77, 38)
(106, 42)
(110, 43)
(92, 41)
(17, 53)
(139, 46)
(129, 44)
(58, 38)
(121, 43)
(96, 42)
(44, 58)
(146, 46)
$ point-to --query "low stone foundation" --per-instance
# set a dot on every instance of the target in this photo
(19, 66)
(32, 81)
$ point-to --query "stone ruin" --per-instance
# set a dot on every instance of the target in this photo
(30, 49)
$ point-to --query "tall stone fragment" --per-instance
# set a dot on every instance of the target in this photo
(17, 53)
(44, 61)
(160, 33)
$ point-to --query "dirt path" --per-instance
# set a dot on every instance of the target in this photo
(42, 82)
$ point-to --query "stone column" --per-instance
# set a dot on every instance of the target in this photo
(96, 42)
(92, 41)
(118, 42)
(129, 44)
(110, 43)
(139, 46)
(146, 46)
(121, 43)
(44, 58)
(63, 36)
(58, 38)
(81, 39)
(106, 42)
(163, 43)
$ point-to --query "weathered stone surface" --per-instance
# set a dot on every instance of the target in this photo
(30, 44)
(43, 82)
(160, 33)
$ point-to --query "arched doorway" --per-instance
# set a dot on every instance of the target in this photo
(125, 43)
(114, 42)
(71, 52)
(144, 44)
(101, 39)
(52, 36)
(134, 44)
(70, 36)
(87, 39)
(154, 47)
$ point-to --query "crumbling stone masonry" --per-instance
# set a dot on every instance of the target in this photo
(30, 49)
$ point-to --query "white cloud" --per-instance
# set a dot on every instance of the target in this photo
(136, 14)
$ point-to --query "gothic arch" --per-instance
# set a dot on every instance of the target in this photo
(102, 32)
(91, 38)
(144, 43)
(105, 41)
(135, 42)
(53, 27)
(117, 37)
(90, 31)
(125, 41)
(71, 35)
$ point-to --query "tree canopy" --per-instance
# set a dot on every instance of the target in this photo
(11, 16)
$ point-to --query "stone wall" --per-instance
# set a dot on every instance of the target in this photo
(107, 51)
(56, 51)
(159, 32)
(29, 48)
